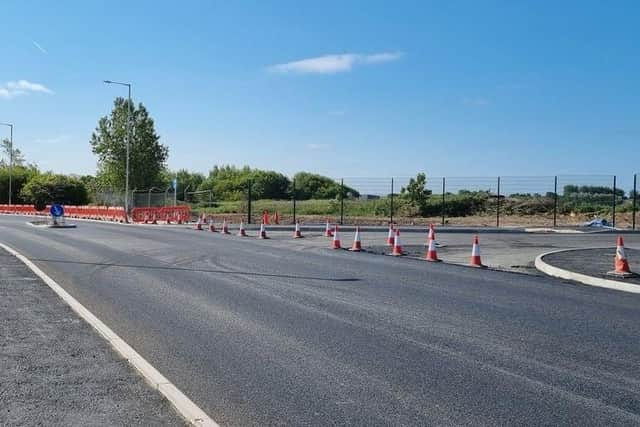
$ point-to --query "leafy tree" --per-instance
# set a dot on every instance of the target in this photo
(416, 193)
(314, 186)
(189, 181)
(18, 157)
(20, 175)
(148, 156)
(49, 187)
(231, 183)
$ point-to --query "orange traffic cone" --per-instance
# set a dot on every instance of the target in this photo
(212, 227)
(327, 230)
(146, 218)
(276, 218)
(397, 246)
(225, 227)
(199, 224)
(263, 232)
(335, 244)
(204, 219)
(155, 219)
(297, 234)
(390, 236)
(179, 219)
(432, 255)
(431, 235)
(475, 254)
(265, 217)
(241, 231)
(357, 244)
(621, 263)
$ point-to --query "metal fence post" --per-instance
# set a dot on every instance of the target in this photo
(498, 205)
(443, 200)
(293, 196)
(635, 199)
(555, 201)
(391, 207)
(613, 219)
(249, 202)
(341, 200)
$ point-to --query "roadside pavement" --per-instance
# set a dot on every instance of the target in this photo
(56, 370)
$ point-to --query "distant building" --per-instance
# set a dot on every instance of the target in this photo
(369, 197)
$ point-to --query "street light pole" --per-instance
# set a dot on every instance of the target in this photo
(10, 157)
(126, 185)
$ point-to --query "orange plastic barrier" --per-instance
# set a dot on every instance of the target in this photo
(103, 213)
(173, 214)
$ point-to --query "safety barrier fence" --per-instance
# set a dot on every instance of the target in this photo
(175, 214)
(102, 213)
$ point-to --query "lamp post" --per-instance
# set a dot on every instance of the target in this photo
(10, 125)
(126, 185)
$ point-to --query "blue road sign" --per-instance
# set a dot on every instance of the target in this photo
(56, 210)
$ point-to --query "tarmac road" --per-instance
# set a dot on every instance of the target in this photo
(258, 332)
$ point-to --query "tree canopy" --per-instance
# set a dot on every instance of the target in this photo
(49, 187)
(147, 161)
(314, 186)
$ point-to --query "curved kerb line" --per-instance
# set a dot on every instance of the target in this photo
(583, 278)
(189, 410)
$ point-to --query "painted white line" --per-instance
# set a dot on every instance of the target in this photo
(583, 278)
(179, 400)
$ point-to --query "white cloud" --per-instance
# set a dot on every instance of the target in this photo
(475, 102)
(337, 113)
(315, 147)
(53, 140)
(21, 87)
(40, 48)
(331, 64)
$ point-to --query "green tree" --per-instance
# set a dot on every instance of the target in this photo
(148, 157)
(20, 175)
(231, 183)
(49, 187)
(189, 181)
(416, 193)
(314, 186)
(5, 148)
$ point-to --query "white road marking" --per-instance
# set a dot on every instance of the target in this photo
(179, 400)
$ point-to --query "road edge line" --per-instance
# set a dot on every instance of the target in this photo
(185, 406)
(582, 278)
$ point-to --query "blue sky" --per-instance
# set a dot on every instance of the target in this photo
(343, 88)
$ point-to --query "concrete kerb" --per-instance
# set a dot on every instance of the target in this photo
(185, 407)
(561, 273)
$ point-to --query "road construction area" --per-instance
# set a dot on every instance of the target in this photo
(289, 332)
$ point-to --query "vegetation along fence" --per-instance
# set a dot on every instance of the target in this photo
(539, 201)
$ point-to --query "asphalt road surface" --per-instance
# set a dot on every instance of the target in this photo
(258, 332)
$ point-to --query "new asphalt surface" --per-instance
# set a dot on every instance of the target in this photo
(260, 332)
(55, 370)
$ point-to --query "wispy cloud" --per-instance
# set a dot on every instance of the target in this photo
(316, 147)
(52, 140)
(337, 113)
(39, 47)
(21, 87)
(475, 102)
(331, 64)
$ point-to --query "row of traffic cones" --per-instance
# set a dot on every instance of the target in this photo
(394, 238)
(621, 264)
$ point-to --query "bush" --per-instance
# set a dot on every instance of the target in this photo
(50, 188)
